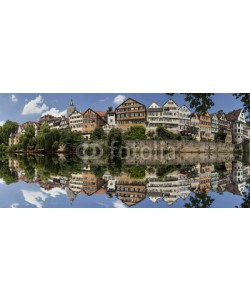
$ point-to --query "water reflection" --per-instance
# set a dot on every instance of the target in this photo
(48, 181)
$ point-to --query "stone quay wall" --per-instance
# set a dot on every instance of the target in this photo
(175, 146)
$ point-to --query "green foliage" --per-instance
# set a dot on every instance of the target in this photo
(201, 102)
(192, 130)
(5, 131)
(136, 132)
(220, 136)
(98, 134)
(9, 176)
(135, 172)
(151, 134)
(162, 171)
(115, 138)
(164, 134)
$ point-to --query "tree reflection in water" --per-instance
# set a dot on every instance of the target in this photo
(200, 200)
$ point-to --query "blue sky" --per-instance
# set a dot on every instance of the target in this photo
(29, 107)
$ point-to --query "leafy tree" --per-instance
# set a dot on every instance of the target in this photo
(151, 134)
(163, 133)
(221, 111)
(5, 131)
(135, 172)
(98, 134)
(192, 130)
(135, 133)
(162, 171)
(115, 136)
(203, 102)
(220, 136)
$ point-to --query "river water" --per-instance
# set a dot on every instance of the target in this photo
(67, 182)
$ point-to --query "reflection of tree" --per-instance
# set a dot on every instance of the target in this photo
(246, 198)
(115, 166)
(9, 176)
(200, 200)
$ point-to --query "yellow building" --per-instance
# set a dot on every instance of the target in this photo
(205, 127)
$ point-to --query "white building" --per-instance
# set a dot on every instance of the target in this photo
(76, 121)
(111, 121)
(184, 117)
(238, 125)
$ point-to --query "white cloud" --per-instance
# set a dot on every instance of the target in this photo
(54, 192)
(35, 106)
(54, 112)
(14, 205)
(2, 181)
(34, 198)
(119, 99)
(13, 98)
(119, 204)
(2, 123)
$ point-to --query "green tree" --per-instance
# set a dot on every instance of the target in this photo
(98, 134)
(5, 131)
(135, 133)
(115, 136)
(163, 133)
(203, 102)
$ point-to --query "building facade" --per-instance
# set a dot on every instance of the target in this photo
(195, 122)
(130, 113)
(184, 118)
(214, 126)
(92, 120)
(111, 121)
(76, 121)
(238, 125)
(171, 115)
(205, 127)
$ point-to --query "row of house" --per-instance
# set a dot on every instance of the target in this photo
(131, 112)
(170, 115)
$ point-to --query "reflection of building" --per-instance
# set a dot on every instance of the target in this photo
(14, 165)
(76, 183)
(130, 191)
(214, 178)
(205, 177)
(90, 183)
(130, 113)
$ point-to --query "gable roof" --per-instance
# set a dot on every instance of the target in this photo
(169, 100)
(184, 105)
(234, 115)
(132, 100)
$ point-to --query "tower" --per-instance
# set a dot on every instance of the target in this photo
(71, 108)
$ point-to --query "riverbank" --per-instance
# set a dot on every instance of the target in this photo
(147, 146)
